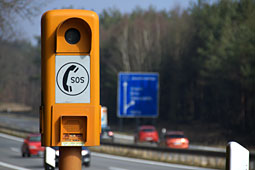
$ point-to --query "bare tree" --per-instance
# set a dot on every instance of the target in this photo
(145, 45)
(124, 48)
(11, 11)
(137, 43)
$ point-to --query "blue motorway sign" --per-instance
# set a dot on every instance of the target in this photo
(138, 94)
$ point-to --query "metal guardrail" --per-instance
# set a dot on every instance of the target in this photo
(190, 151)
(17, 129)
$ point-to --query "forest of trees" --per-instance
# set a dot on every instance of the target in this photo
(205, 56)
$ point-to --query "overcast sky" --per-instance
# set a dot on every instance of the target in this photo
(31, 29)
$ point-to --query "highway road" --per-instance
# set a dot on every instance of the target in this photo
(10, 159)
(32, 124)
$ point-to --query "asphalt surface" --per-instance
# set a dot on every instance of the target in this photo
(19, 122)
(11, 159)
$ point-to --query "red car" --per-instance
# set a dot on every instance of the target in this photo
(147, 134)
(176, 139)
(32, 146)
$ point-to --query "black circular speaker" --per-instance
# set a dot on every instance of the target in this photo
(72, 36)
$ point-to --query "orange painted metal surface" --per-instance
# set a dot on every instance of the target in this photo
(70, 158)
(54, 23)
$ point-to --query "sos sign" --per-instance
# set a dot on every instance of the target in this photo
(72, 79)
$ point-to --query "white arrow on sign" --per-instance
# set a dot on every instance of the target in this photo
(126, 105)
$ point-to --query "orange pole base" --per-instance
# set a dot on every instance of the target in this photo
(70, 158)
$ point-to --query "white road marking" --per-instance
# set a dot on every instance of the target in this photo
(126, 137)
(12, 166)
(3, 164)
(11, 137)
(148, 162)
(116, 168)
(15, 149)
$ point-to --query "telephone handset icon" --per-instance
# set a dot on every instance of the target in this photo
(65, 86)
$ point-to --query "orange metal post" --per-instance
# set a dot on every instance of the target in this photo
(70, 158)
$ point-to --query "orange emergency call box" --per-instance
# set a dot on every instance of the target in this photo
(70, 108)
